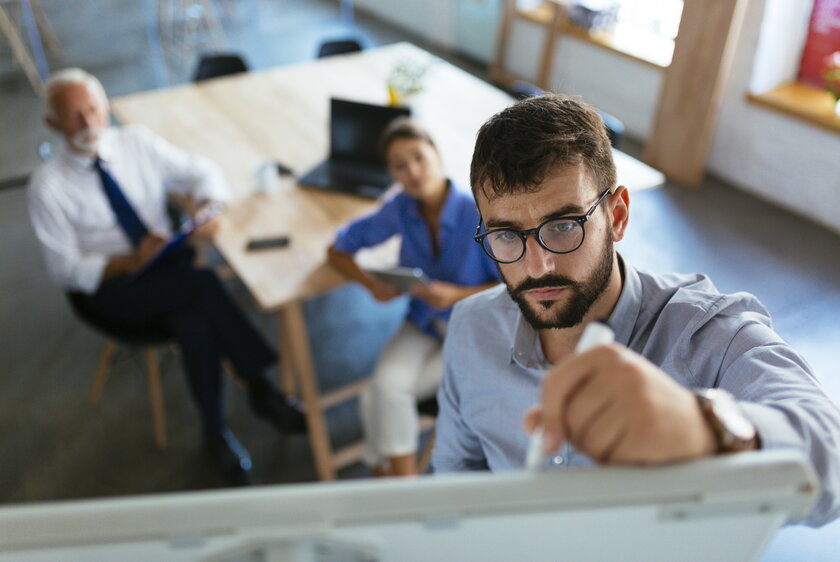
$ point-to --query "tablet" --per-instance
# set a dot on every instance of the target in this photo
(206, 214)
(403, 278)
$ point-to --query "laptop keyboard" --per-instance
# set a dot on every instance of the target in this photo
(356, 179)
(343, 173)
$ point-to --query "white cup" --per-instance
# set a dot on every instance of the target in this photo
(265, 177)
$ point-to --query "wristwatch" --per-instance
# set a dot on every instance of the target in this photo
(732, 430)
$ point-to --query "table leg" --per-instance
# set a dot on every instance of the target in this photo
(293, 328)
(285, 369)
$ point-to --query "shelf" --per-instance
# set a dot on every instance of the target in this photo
(801, 101)
(626, 40)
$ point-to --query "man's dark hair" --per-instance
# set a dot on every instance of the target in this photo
(402, 128)
(516, 148)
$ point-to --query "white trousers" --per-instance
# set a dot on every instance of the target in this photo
(408, 370)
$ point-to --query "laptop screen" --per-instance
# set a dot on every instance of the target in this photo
(355, 129)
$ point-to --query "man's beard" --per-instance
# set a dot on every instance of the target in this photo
(582, 294)
(87, 140)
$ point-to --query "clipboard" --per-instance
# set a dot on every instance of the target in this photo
(177, 241)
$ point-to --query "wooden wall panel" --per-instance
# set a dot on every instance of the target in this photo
(690, 99)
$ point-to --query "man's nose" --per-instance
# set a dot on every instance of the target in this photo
(89, 119)
(537, 260)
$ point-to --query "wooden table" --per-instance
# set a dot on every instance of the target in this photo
(282, 114)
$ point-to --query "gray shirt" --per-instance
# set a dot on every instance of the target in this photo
(494, 364)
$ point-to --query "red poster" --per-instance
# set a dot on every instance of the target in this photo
(823, 39)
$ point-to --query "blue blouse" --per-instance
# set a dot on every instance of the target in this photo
(460, 260)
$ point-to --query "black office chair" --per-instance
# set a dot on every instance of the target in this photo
(214, 66)
(338, 47)
(615, 127)
(149, 337)
(521, 89)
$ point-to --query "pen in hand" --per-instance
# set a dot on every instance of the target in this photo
(596, 333)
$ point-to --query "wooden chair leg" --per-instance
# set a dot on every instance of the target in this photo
(156, 398)
(20, 52)
(284, 365)
(426, 454)
(45, 28)
(101, 376)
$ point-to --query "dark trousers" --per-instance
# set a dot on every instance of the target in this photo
(193, 306)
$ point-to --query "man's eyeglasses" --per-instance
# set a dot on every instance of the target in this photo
(560, 236)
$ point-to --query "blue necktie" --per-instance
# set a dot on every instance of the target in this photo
(126, 215)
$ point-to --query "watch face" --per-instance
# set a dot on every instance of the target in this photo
(727, 411)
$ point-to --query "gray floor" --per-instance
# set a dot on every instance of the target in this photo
(54, 446)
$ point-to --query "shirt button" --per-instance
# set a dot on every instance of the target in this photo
(558, 460)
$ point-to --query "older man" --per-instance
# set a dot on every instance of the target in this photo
(693, 372)
(99, 211)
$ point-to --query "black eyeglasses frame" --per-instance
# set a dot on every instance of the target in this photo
(580, 219)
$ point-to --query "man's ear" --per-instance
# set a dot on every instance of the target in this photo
(52, 123)
(619, 211)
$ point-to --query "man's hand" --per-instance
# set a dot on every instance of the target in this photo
(150, 245)
(208, 230)
(128, 264)
(439, 294)
(617, 407)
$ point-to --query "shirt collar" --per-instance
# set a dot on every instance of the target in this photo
(449, 212)
(626, 312)
(527, 349)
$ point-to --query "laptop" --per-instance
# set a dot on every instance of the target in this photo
(355, 165)
(726, 509)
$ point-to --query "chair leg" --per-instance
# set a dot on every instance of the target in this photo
(156, 398)
(426, 454)
(101, 376)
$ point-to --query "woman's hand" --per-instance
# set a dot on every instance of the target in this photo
(440, 294)
(381, 291)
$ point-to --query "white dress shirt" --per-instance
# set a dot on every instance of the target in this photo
(73, 220)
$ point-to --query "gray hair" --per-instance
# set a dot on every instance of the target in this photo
(66, 77)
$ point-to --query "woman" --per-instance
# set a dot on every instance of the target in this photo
(437, 222)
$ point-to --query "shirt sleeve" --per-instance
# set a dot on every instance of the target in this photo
(457, 448)
(183, 172)
(66, 264)
(370, 230)
(788, 406)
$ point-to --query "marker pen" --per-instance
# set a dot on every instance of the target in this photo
(596, 333)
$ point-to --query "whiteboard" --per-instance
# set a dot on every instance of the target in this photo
(725, 508)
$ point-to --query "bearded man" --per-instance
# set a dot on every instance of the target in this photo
(692, 372)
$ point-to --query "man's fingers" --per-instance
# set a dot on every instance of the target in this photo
(603, 433)
(532, 419)
(585, 408)
(560, 383)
